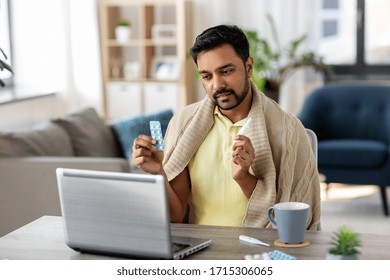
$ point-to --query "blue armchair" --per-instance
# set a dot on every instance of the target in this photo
(352, 124)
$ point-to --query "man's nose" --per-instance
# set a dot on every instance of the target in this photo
(218, 83)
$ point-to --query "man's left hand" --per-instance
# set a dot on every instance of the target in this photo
(243, 155)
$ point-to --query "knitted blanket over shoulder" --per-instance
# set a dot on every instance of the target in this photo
(284, 163)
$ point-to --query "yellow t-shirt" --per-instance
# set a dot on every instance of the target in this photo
(216, 199)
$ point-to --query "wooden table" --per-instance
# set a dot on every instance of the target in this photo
(43, 239)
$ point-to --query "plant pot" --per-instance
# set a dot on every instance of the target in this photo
(330, 256)
(122, 33)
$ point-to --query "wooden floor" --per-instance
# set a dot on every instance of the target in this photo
(358, 207)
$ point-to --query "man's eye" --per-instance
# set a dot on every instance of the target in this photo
(227, 71)
(205, 77)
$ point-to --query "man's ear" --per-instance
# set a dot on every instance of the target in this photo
(249, 65)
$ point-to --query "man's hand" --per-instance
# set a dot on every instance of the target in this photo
(146, 156)
(243, 156)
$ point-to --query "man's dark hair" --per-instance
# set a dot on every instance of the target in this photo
(218, 35)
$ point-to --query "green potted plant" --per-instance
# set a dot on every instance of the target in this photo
(345, 245)
(4, 66)
(123, 31)
(273, 65)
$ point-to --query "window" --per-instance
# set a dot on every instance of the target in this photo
(353, 36)
(5, 39)
(377, 32)
(330, 4)
(329, 28)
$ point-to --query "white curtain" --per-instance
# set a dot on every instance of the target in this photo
(56, 46)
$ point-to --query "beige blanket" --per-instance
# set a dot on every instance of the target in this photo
(284, 162)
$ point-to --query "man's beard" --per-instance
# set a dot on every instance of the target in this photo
(238, 97)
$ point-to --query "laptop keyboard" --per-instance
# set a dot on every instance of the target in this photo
(176, 247)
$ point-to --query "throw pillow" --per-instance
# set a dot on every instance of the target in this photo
(89, 134)
(130, 128)
(45, 139)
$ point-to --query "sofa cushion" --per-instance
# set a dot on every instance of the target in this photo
(351, 153)
(89, 134)
(130, 128)
(45, 139)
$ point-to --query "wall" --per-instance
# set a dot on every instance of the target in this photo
(29, 112)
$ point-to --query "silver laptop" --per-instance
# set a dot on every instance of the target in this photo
(120, 214)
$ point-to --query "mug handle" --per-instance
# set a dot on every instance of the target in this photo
(270, 216)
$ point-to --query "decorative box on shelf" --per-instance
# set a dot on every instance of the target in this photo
(164, 31)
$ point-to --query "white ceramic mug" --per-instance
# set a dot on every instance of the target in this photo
(290, 218)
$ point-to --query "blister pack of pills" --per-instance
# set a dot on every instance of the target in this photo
(279, 255)
(156, 133)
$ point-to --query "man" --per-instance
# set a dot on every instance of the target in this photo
(221, 177)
